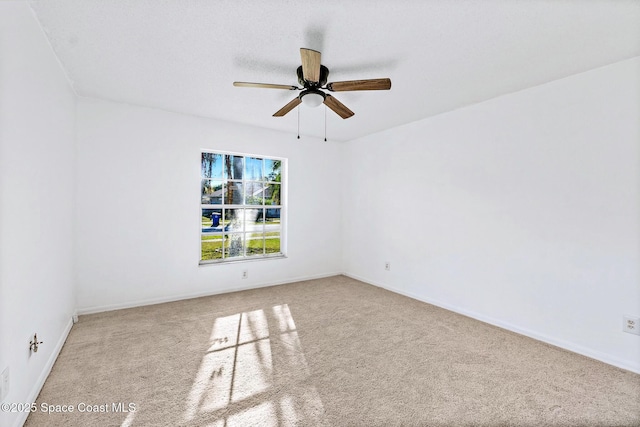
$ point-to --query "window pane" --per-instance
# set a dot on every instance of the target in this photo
(211, 165)
(234, 219)
(211, 247)
(272, 242)
(255, 243)
(272, 216)
(211, 218)
(272, 227)
(272, 169)
(253, 220)
(211, 192)
(259, 219)
(272, 194)
(254, 193)
(234, 246)
(233, 167)
(253, 169)
(233, 193)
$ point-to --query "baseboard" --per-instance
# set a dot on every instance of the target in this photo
(35, 391)
(179, 297)
(566, 345)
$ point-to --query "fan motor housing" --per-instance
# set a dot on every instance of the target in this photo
(324, 75)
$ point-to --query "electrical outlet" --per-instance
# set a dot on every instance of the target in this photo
(387, 266)
(245, 274)
(4, 384)
(631, 325)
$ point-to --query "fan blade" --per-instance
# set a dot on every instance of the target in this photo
(264, 85)
(310, 64)
(338, 107)
(372, 84)
(290, 106)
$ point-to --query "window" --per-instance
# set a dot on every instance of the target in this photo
(241, 207)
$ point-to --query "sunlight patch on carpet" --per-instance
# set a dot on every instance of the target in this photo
(251, 357)
(128, 422)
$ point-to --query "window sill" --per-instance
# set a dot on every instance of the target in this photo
(202, 263)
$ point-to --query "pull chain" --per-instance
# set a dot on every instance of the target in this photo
(325, 123)
(298, 122)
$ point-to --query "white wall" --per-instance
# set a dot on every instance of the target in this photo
(37, 120)
(522, 211)
(138, 195)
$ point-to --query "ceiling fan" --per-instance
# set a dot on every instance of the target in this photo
(312, 76)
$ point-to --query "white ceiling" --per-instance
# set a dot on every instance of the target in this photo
(183, 55)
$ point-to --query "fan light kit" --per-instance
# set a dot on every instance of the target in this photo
(312, 98)
(312, 76)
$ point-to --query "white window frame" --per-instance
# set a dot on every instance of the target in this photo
(283, 210)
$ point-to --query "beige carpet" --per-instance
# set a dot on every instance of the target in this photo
(328, 352)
